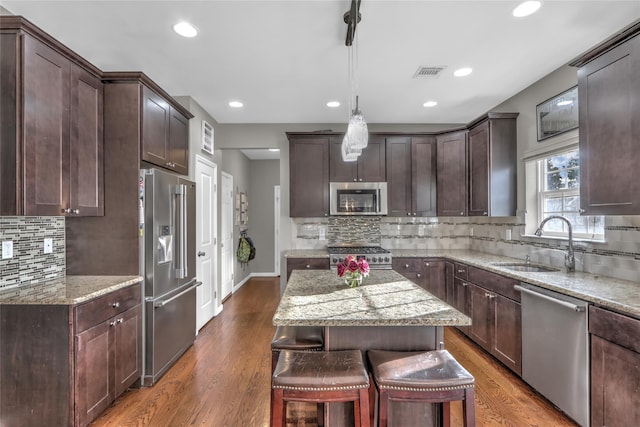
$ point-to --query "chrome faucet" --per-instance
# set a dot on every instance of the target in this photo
(569, 257)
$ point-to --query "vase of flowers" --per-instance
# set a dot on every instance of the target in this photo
(353, 270)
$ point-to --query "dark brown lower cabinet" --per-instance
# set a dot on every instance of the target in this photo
(107, 363)
(434, 277)
(461, 300)
(615, 368)
(62, 365)
(306, 264)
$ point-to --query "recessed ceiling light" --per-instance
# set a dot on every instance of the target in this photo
(185, 29)
(526, 8)
(274, 149)
(430, 104)
(333, 104)
(461, 72)
(235, 104)
(565, 102)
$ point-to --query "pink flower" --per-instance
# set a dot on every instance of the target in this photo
(341, 269)
(363, 266)
(353, 265)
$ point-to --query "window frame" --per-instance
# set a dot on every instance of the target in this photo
(535, 195)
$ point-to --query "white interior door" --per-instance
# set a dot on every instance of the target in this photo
(206, 225)
(226, 240)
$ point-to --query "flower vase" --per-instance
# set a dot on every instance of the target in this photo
(353, 280)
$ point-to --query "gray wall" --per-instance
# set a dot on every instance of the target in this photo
(238, 165)
(265, 175)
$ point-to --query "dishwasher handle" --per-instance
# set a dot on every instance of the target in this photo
(548, 298)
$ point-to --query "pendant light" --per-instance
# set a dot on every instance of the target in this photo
(357, 135)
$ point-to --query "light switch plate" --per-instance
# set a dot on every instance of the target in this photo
(7, 249)
(48, 245)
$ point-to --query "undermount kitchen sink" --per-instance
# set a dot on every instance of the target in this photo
(522, 266)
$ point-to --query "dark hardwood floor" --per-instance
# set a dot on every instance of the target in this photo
(223, 379)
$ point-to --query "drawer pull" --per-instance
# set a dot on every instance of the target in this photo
(406, 266)
(460, 271)
(308, 266)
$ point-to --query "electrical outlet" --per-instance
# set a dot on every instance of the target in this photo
(507, 234)
(322, 233)
(7, 249)
(421, 230)
(48, 245)
(471, 232)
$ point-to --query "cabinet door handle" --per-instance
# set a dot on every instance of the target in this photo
(464, 284)
(408, 213)
(120, 320)
(115, 305)
(460, 271)
(490, 296)
(355, 180)
(582, 210)
(426, 264)
(484, 213)
(461, 213)
(76, 211)
(112, 323)
(66, 211)
(418, 275)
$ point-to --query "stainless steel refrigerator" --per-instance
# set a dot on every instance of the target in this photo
(167, 259)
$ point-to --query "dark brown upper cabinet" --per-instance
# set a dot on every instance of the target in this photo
(609, 101)
(309, 175)
(165, 133)
(51, 151)
(370, 166)
(411, 175)
(492, 165)
(452, 173)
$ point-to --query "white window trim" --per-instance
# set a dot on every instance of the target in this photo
(533, 183)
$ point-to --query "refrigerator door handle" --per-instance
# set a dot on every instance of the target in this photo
(181, 267)
(162, 303)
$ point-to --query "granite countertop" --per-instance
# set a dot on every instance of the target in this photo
(619, 295)
(69, 290)
(385, 298)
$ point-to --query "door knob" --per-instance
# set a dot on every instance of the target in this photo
(201, 253)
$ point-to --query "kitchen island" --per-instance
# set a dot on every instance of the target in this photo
(387, 312)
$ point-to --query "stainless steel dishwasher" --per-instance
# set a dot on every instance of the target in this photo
(555, 349)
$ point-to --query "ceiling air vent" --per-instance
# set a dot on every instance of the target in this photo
(424, 71)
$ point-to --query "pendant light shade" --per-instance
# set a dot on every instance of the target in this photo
(349, 153)
(357, 131)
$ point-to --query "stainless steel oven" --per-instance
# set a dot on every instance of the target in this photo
(358, 198)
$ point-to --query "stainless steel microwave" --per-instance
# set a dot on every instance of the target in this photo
(358, 198)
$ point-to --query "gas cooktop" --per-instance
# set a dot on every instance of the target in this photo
(377, 257)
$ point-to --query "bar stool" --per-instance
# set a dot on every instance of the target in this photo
(303, 338)
(320, 376)
(422, 376)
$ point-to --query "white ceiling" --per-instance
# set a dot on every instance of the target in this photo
(286, 59)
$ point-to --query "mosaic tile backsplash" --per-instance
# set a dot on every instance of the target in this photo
(30, 264)
(618, 256)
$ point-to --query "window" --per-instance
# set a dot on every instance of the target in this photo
(557, 189)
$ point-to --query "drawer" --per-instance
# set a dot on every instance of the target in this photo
(405, 265)
(308, 263)
(460, 271)
(494, 282)
(616, 328)
(106, 306)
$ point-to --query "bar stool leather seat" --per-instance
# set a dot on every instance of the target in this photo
(324, 376)
(302, 338)
(422, 376)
